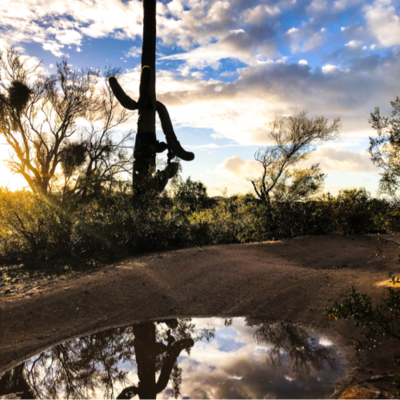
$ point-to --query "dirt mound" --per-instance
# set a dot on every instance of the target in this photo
(291, 280)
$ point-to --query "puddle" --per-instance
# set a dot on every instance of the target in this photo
(184, 358)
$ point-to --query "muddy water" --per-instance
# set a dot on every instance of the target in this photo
(184, 358)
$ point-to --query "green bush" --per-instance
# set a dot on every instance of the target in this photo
(35, 231)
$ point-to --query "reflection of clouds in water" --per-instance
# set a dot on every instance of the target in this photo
(234, 365)
(325, 342)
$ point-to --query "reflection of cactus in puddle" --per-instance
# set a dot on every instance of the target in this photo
(187, 357)
(145, 179)
(87, 366)
(152, 355)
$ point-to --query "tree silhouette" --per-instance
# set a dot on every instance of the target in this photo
(49, 147)
(294, 139)
(145, 178)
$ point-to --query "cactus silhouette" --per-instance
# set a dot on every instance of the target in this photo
(145, 178)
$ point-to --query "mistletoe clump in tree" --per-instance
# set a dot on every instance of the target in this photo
(145, 178)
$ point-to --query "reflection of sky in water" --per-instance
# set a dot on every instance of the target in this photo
(234, 364)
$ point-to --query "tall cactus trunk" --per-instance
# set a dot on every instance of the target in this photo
(145, 146)
(145, 178)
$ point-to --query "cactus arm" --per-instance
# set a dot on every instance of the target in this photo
(121, 96)
(173, 144)
(170, 361)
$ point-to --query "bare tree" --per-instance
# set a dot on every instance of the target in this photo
(294, 137)
(59, 127)
(145, 178)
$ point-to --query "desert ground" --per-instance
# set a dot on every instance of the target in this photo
(292, 280)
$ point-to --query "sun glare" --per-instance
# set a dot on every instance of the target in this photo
(7, 178)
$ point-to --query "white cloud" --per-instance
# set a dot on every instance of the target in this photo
(309, 37)
(237, 168)
(314, 41)
(341, 160)
(241, 110)
(258, 14)
(341, 5)
(69, 36)
(383, 22)
(236, 44)
(331, 159)
(54, 47)
(303, 62)
(292, 30)
(329, 69)
(317, 6)
(133, 52)
(354, 44)
(29, 20)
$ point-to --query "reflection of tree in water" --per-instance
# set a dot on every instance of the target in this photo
(14, 381)
(76, 369)
(293, 346)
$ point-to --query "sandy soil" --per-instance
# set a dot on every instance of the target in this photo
(291, 280)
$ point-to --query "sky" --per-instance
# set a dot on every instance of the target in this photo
(225, 69)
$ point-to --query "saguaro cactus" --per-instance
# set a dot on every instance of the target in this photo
(145, 178)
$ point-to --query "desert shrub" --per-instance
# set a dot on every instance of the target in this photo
(389, 219)
(378, 321)
(193, 194)
(216, 225)
(355, 212)
(121, 227)
(34, 230)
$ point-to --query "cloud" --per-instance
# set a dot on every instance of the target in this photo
(238, 168)
(239, 44)
(354, 44)
(54, 47)
(306, 37)
(217, 26)
(317, 6)
(329, 69)
(292, 30)
(331, 159)
(349, 85)
(241, 110)
(341, 160)
(383, 22)
(342, 5)
(133, 52)
(257, 15)
(54, 24)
